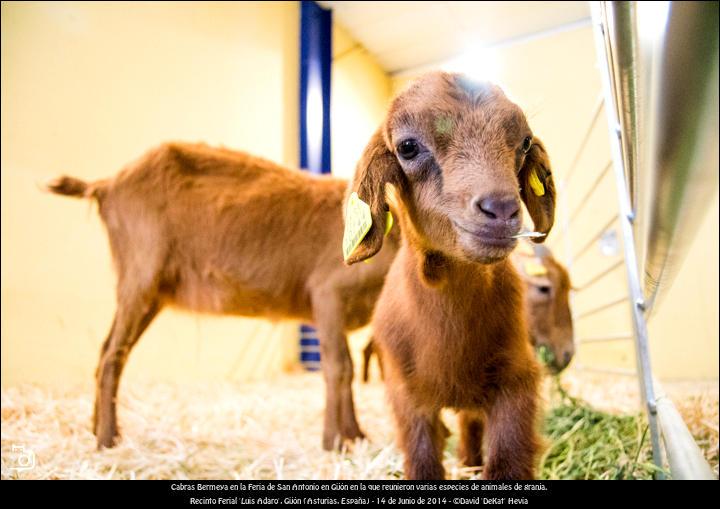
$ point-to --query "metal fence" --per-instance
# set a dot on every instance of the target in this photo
(660, 101)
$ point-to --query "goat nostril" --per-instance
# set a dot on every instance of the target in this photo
(566, 357)
(487, 212)
(498, 207)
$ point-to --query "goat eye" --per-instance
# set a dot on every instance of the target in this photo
(408, 149)
(527, 144)
(544, 289)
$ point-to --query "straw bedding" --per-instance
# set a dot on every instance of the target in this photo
(272, 430)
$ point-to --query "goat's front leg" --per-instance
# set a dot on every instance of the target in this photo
(512, 440)
(471, 438)
(421, 435)
(340, 421)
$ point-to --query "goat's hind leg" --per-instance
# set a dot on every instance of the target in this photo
(131, 320)
(471, 438)
(368, 351)
(103, 351)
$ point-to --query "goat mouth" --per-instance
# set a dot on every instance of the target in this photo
(556, 369)
(491, 239)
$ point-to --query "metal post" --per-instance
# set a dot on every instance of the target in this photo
(625, 220)
(684, 456)
(682, 142)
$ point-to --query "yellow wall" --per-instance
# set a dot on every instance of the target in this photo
(360, 95)
(556, 82)
(684, 328)
(87, 87)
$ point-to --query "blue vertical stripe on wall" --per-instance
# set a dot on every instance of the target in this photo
(315, 68)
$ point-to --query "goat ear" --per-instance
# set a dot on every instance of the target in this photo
(377, 167)
(537, 188)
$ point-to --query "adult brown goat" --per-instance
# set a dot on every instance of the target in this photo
(547, 307)
(452, 160)
(218, 231)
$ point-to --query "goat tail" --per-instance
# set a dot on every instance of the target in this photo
(71, 186)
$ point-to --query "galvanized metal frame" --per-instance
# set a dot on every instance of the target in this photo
(626, 216)
(618, 53)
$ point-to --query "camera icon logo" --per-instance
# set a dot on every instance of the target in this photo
(24, 458)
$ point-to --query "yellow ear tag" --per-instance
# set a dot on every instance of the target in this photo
(533, 268)
(388, 227)
(358, 221)
(388, 222)
(537, 186)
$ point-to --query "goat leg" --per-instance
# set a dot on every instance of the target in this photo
(512, 440)
(421, 435)
(129, 324)
(340, 421)
(471, 437)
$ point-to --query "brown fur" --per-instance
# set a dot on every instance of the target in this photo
(218, 231)
(547, 308)
(449, 322)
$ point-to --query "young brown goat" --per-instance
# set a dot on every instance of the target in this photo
(453, 159)
(547, 304)
(547, 307)
(218, 231)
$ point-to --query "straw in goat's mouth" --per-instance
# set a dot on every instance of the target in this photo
(529, 235)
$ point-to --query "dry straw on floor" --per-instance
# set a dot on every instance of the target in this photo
(261, 430)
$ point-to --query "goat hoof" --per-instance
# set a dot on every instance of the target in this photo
(107, 443)
(331, 443)
(470, 457)
(355, 434)
(107, 439)
(340, 443)
(472, 461)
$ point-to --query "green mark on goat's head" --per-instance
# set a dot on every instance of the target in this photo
(443, 125)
